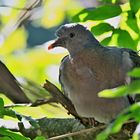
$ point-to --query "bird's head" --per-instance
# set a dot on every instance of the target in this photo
(72, 37)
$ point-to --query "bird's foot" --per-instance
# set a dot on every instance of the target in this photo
(90, 122)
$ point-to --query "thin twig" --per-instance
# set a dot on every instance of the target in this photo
(43, 101)
(23, 16)
(17, 105)
(34, 104)
(16, 8)
(32, 6)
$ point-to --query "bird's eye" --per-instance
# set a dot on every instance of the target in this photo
(72, 35)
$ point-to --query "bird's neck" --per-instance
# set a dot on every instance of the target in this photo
(73, 51)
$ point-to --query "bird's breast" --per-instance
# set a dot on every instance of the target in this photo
(77, 79)
(79, 74)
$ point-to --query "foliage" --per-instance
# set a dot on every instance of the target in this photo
(8, 134)
(5, 133)
(126, 34)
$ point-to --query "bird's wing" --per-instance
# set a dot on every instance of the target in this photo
(61, 74)
(136, 63)
(10, 86)
(134, 57)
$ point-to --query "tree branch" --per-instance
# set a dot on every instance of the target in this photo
(56, 128)
(60, 98)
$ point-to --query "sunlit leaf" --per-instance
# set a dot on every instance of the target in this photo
(135, 5)
(13, 135)
(133, 88)
(116, 92)
(100, 13)
(135, 136)
(5, 138)
(81, 15)
(1, 103)
(9, 112)
(131, 112)
(114, 127)
(124, 39)
(1, 108)
(121, 119)
(108, 1)
(106, 41)
(40, 138)
(101, 28)
(104, 135)
(132, 22)
(73, 8)
(135, 111)
(135, 72)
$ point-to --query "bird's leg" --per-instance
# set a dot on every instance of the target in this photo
(90, 122)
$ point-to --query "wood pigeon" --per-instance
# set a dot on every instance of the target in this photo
(90, 68)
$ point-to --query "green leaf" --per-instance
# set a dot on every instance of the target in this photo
(124, 39)
(115, 126)
(135, 136)
(133, 88)
(100, 13)
(101, 28)
(104, 12)
(40, 138)
(132, 22)
(12, 135)
(5, 138)
(82, 13)
(131, 112)
(1, 103)
(108, 1)
(1, 108)
(112, 93)
(121, 119)
(135, 73)
(9, 112)
(135, 111)
(135, 5)
(106, 41)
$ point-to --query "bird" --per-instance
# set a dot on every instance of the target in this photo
(90, 68)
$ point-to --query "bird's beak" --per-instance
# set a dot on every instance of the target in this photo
(57, 42)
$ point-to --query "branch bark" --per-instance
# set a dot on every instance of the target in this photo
(58, 129)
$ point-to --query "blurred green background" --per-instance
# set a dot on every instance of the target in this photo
(23, 44)
(24, 36)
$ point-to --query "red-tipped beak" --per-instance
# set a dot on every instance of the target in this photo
(57, 42)
(50, 47)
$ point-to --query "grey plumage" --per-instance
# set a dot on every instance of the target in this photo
(90, 68)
